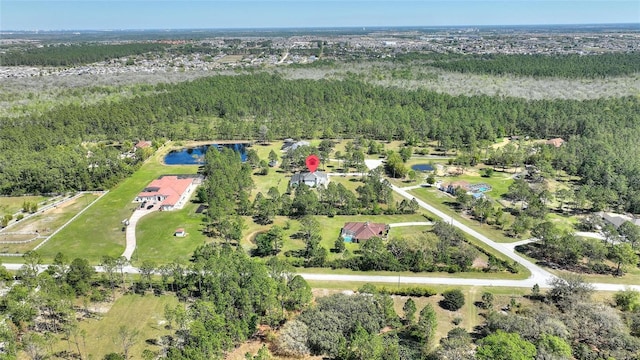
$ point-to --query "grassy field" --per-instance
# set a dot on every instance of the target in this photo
(98, 231)
(330, 230)
(45, 223)
(155, 240)
(439, 200)
(407, 230)
(142, 313)
(408, 274)
(13, 204)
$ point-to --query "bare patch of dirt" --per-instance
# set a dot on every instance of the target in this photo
(479, 263)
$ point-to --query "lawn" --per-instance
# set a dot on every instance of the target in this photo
(330, 227)
(46, 223)
(13, 204)
(564, 221)
(329, 230)
(402, 231)
(98, 231)
(142, 313)
(499, 182)
(155, 240)
(439, 200)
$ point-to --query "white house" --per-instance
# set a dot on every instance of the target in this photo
(311, 179)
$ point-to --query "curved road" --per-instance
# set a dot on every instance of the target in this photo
(538, 275)
(130, 234)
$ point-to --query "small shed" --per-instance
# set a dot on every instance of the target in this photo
(180, 233)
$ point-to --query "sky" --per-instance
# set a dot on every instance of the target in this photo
(220, 14)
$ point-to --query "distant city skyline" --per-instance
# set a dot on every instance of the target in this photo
(213, 14)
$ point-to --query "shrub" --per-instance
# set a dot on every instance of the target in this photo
(453, 300)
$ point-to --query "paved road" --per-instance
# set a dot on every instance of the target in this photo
(395, 279)
(538, 275)
(593, 235)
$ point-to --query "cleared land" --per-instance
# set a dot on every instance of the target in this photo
(99, 231)
(13, 204)
(142, 313)
(43, 224)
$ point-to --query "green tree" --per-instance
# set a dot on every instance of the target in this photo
(627, 300)
(79, 275)
(395, 166)
(487, 300)
(553, 347)
(339, 245)
(425, 328)
(409, 309)
(623, 255)
(630, 233)
(505, 346)
(453, 300)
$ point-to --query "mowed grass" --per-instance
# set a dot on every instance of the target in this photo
(329, 230)
(142, 313)
(399, 232)
(13, 204)
(499, 182)
(439, 200)
(46, 223)
(99, 231)
(330, 227)
(155, 240)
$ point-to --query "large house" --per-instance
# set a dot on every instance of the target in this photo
(618, 219)
(362, 231)
(170, 191)
(311, 179)
(290, 144)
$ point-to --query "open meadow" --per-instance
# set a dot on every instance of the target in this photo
(41, 225)
(99, 231)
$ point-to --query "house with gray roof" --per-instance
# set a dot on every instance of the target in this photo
(618, 219)
(311, 179)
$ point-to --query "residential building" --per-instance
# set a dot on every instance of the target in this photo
(311, 179)
(362, 231)
(170, 191)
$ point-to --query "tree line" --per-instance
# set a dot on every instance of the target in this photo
(234, 107)
(75, 54)
(573, 66)
(224, 297)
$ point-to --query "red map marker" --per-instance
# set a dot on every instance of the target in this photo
(312, 162)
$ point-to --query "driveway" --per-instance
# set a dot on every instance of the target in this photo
(131, 231)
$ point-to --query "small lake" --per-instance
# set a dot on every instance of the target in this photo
(195, 155)
(422, 167)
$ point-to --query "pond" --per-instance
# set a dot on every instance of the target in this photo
(195, 155)
(422, 167)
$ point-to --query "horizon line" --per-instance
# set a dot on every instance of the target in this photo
(327, 27)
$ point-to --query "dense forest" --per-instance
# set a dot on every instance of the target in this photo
(236, 107)
(566, 66)
(75, 54)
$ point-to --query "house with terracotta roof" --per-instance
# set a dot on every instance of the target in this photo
(170, 191)
(142, 144)
(557, 142)
(362, 231)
